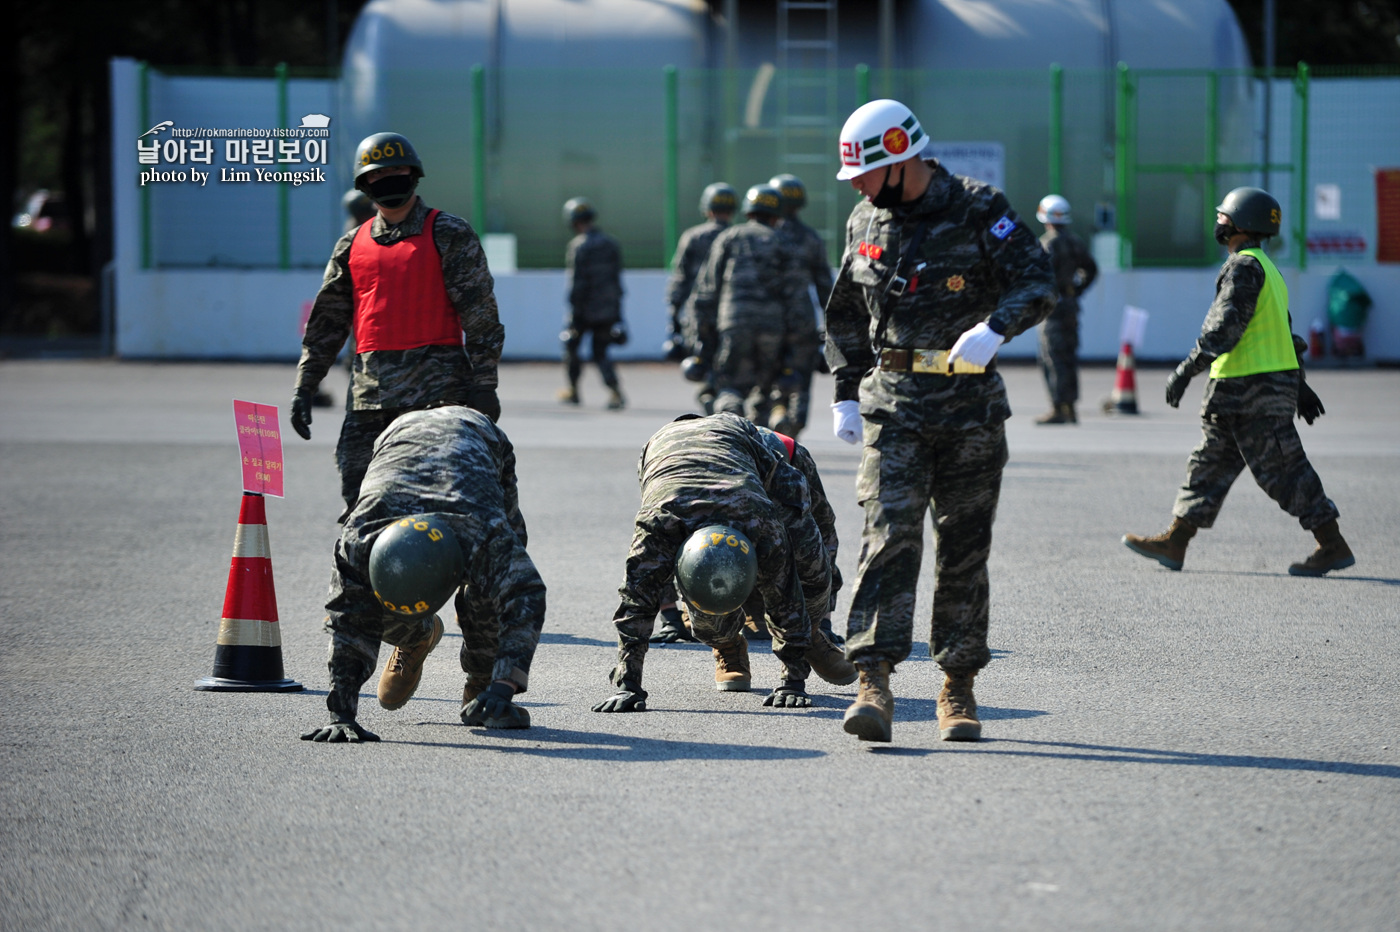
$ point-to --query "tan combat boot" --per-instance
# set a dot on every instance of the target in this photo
(1332, 553)
(1059, 414)
(756, 627)
(871, 716)
(1167, 548)
(829, 661)
(404, 670)
(568, 396)
(957, 709)
(615, 400)
(732, 667)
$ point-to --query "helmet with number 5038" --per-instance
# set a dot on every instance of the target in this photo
(716, 570)
(882, 132)
(415, 565)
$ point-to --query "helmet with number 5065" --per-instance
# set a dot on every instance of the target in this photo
(415, 565)
(716, 570)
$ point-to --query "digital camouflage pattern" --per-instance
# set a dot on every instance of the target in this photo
(691, 252)
(454, 463)
(415, 377)
(698, 471)
(1246, 420)
(802, 341)
(1075, 270)
(748, 291)
(593, 271)
(930, 440)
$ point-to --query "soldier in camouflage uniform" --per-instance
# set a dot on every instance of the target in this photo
(717, 202)
(1075, 271)
(700, 471)
(937, 273)
(1256, 386)
(421, 307)
(802, 347)
(748, 290)
(453, 464)
(593, 264)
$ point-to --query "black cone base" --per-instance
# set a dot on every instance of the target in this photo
(219, 684)
(248, 669)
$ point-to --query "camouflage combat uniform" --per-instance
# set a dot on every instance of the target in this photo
(1075, 271)
(593, 263)
(802, 339)
(1246, 420)
(746, 293)
(454, 463)
(720, 470)
(386, 383)
(930, 440)
(691, 252)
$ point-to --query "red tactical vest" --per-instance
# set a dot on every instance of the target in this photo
(400, 299)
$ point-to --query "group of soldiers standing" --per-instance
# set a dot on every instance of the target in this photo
(734, 524)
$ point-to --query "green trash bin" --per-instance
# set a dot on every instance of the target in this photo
(1347, 305)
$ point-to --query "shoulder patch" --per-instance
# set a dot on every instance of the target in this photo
(1003, 227)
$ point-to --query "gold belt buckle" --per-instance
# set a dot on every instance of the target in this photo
(936, 362)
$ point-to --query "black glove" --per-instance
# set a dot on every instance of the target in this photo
(485, 401)
(1176, 384)
(674, 347)
(494, 709)
(341, 732)
(630, 698)
(617, 336)
(1309, 405)
(791, 694)
(301, 415)
(673, 629)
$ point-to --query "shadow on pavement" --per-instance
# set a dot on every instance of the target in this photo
(589, 745)
(1125, 755)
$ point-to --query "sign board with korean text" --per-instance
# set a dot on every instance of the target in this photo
(259, 447)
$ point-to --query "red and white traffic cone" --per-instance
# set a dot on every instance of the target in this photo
(248, 653)
(1124, 397)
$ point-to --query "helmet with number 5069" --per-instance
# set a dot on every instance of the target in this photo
(716, 570)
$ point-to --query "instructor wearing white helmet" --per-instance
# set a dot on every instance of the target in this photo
(937, 273)
(1075, 271)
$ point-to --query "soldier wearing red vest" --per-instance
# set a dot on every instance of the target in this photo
(412, 287)
(1256, 386)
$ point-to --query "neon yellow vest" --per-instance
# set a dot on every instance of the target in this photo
(1267, 344)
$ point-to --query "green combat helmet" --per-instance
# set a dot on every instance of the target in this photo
(716, 570)
(387, 150)
(415, 565)
(718, 198)
(578, 210)
(792, 191)
(764, 200)
(1252, 210)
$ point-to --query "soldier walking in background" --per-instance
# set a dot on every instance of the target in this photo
(437, 517)
(413, 288)
(801, 351)
(937, 273)
(1075, 271)
(746, 293)
(717, 203)
(593, 263)
(720, 476)
(1256, 386)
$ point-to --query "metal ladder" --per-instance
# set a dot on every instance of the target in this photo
(807, 119)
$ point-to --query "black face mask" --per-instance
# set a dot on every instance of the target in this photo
(890, 195)
(392, 191)
(1223, 232)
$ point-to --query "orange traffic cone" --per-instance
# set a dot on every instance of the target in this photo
(1124, 397)
(248, 653)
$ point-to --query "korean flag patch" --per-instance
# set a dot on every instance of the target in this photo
(1003, 227)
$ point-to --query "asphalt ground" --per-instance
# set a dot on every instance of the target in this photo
(1210, 749)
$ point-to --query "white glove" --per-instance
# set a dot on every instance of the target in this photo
(847, 426)
(977, 345)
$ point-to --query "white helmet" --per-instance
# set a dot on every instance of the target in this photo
(1052, 209)
(881, 132)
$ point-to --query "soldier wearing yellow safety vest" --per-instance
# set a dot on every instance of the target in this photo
(1256, 386)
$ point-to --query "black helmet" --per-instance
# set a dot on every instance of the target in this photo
(1252, 210)
(718, 198)
(385, 150)
(716, 570)
(792, 191)
(357, 205)
(415, 565)
(763, 199)
(693, 369)
(578, 210)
